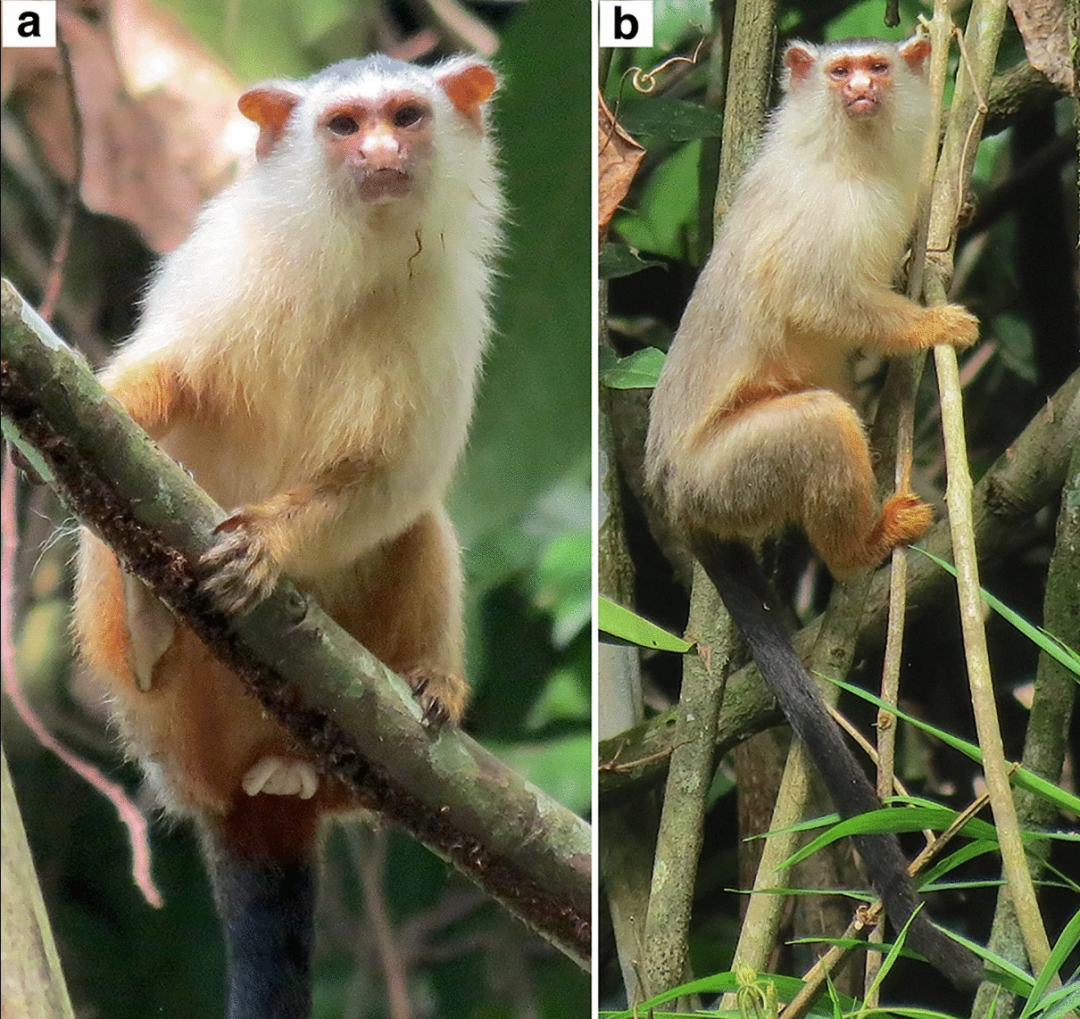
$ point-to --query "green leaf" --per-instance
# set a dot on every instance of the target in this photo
(675, 19)
(666, 218)
(315, 18)
(891, 819)
(1070, 938)
(1065, 1001)
(621, 260)
(563, 585)
(1015, 346)
(561, 767)
(1018, 776)
(863, 20)
(564, 698)
(638, 371)
(653, 118)
(533, 419)
(1056, 649)
(890, 959)
(619, 622)
(719, 983)
(971, 851)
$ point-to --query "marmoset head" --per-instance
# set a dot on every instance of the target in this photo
(858, 76)
(375, 122)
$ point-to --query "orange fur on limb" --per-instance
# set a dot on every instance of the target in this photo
(312, 362)
(196, 726)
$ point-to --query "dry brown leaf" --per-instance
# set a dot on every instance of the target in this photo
(619, 159)
(161, 132)
(1044, 26)
(158, 57)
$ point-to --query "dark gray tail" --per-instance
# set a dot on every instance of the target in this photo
(268, 915)
(748, 597)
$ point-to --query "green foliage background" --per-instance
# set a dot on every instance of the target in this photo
(523, 509)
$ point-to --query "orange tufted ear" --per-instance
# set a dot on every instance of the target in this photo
(468, 88)
(269, 106)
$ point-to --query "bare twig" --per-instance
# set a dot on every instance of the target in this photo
(55, 281)
(462, 29)
(867, 748)
(904, 381)
(130, 815)
(368, 851)
(980, 46)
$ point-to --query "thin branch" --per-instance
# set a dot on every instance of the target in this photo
(904, 379)
(130, 815)
(368, 851)
(460, 27)
(55, 281)
(980, 45)
(867, 748)
(342, 705)
(678, 845)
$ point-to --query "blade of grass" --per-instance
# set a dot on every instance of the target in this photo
(1055, 648)
(1020, 776)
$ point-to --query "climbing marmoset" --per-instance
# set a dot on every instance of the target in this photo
(751, 424)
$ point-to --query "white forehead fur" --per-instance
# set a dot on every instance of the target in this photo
(370, 79)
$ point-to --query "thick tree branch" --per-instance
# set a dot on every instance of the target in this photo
(1016, 91)
(342, 705)
(33, 980)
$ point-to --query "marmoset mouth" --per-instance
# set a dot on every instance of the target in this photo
(383, 185)
(863, 106)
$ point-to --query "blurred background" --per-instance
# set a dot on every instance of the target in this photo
(156, 83)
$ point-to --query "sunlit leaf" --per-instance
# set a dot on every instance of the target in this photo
(639, 370)
(620, 622)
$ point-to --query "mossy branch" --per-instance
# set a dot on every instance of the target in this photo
(342, 706)
(678, 843)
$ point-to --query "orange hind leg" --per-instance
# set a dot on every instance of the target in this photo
(403, 603)
(800, 458)
(192, 725)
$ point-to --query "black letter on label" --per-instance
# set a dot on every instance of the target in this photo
(619, 19)
(29, 26)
